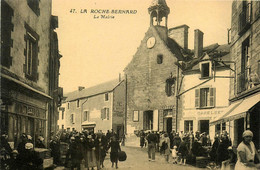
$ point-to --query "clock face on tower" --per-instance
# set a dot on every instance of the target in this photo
(150, 42)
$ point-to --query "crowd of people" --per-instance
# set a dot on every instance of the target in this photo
(89, 149)
(86, 148)
(23, 157)
(186, 147)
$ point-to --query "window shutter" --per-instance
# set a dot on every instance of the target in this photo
(85, 116)
(72, 118)
(107, 113)
(103, 114)
(197, 98)
(212, 94)
(88, 116)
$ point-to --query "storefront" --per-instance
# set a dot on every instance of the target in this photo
(23, 110)
(89, 126)
(199, 120)
(241, 115)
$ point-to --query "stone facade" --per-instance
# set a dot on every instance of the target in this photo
(245, 52)
(146, 81)
(252, 31)
(25, 69)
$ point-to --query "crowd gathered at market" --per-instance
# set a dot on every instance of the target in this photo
(192, 148)
(69, 149)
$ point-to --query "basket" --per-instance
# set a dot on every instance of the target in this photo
(122, 156)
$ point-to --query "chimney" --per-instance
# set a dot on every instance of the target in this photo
(80, 88)
(180, 35)
(198, 43)
(119, 77)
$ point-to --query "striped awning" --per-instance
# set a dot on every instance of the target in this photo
(238, 109)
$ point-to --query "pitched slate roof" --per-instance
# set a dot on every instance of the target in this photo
(214, 51)
(94, 90)
(175, 48)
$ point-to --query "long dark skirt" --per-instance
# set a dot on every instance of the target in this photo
(90, 159)
(113, 156)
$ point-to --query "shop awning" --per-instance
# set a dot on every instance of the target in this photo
(88, 124)
(237, 109)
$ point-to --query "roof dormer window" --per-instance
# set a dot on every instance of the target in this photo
(205, 69)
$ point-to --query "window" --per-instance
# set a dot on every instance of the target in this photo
(245, 66)
(170, 86)
(244, 18)
(72, 118)
(68, 105)
(31, 54)
(34, 5)
(62, 114)
(136, 116)
(86, 116)
(188, 125)
(159, 59)
(106, 97)
(77, 103)
(205, 69)
(205, 97)
(62, 127)
(105, 113)
(6, 31)
(219, 128)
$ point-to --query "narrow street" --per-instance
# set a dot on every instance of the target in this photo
(137, 158)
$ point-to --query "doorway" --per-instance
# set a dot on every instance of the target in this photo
(169, 125)
(204, 126)
(240, 129)
(148, 120)
(254, 125)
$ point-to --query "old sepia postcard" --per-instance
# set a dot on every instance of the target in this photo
(128, 84)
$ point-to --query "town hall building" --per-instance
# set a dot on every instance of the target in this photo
(151, 75)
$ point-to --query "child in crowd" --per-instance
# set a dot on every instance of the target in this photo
(174, 154)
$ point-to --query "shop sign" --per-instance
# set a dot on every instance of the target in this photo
(30, 111)
(210, 112)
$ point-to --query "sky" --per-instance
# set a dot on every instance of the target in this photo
(96, 49)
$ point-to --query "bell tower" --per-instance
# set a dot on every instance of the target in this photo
(159, 12)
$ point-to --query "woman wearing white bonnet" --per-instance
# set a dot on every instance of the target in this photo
(28, 146)
(246, 153)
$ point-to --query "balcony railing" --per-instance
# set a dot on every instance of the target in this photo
(245, 19)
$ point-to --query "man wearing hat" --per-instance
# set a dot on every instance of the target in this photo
(246, 153)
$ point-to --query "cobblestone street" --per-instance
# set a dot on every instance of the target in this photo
(137, 158)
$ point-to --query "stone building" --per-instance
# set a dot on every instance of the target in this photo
(244, 109)
(29, 69)
(151, 75)
(98, 108)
